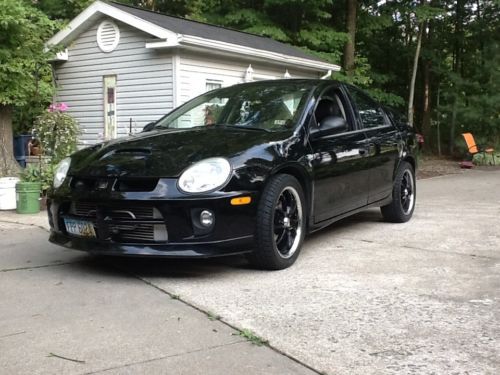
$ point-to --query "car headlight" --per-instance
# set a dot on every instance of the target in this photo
(206, 175)
(61, 172)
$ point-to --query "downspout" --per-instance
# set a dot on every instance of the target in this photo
(327, 75)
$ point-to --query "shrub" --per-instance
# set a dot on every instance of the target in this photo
(57, 132)
(43, 173)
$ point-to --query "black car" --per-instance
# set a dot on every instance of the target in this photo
(249, 169)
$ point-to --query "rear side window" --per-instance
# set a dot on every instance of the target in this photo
(370, 113)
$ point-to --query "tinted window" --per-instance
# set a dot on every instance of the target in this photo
(369, 111)
(270, 106)
(331, 103)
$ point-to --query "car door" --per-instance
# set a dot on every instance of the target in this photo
(384, 143)
(338, 163)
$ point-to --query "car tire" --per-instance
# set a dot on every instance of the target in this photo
(281, 224)
(404, 194)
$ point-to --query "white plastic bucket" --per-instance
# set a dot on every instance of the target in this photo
(8, 193)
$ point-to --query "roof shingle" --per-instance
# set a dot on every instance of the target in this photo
(199, 29)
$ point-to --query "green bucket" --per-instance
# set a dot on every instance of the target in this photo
(28, 197)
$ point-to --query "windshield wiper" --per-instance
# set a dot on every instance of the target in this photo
(241, 127)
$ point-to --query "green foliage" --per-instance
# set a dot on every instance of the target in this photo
(253, 338)
(43, 173)
(24, 66)
(62, 10)
(213, 316)
(57, 132)
(460, 48)
(359, 77)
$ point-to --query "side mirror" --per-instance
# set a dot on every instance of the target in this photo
(149, 127)
(328, 126)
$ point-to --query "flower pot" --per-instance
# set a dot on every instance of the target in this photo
(8, 193)
(28, 197)
(35, 151)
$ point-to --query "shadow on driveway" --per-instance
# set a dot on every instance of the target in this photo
(201, 268)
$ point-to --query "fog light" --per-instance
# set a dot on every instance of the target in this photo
(207, 218)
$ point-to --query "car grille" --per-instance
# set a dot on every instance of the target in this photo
(81, 184)
(139, 232)
(83, 209)
(131, 231)
(116, 211)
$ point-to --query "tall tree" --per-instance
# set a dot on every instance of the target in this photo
(61, 10)
(414, 73)
(23, 31)
(349, 49)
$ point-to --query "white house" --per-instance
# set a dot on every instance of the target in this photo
(124, 67)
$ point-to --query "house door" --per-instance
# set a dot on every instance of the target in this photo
(110, 107)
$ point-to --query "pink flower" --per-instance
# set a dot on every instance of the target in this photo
(61, 107)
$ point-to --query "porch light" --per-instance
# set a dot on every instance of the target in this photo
(249, 74)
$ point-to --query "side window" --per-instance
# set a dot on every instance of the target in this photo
(369, 111)
(329, 104)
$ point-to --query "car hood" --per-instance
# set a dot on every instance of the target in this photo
(166, 153)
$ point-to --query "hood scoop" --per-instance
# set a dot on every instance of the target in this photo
(120, 162)
(131, 152)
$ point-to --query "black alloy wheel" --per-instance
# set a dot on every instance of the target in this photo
(280, 224)
(400, 210)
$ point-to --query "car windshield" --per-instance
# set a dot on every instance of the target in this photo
(268, 106)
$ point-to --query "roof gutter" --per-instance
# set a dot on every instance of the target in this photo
(194, 41)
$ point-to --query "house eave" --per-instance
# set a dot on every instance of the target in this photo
(189, 41)
(257, 53)
(60, 56)
(98, 9)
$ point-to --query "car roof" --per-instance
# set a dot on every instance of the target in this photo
(307, 82)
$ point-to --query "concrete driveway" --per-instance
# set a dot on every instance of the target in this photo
(364, 297)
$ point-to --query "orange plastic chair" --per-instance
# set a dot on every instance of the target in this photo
(474, 148)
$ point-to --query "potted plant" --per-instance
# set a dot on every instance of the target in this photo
(28, 191)
(34, 147)
(55, 137)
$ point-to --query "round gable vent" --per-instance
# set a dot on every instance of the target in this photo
(108, 36)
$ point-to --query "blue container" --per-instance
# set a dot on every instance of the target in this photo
(21, 145)
(21, 160)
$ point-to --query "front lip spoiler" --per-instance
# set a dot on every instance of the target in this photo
(233, 246)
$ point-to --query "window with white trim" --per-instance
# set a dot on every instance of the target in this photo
(212, 84)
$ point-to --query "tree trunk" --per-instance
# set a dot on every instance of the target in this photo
(8, 164)
(438, 121)
(414, 74)
(349, 49)
(453, 126)
(426, 115)
(457, 67)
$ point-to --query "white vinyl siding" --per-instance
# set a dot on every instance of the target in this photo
(196, 69)
(143, 89)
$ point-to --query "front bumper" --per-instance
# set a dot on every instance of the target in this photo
(170, 250)
(154, 223)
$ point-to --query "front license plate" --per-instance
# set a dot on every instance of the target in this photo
(80, 228)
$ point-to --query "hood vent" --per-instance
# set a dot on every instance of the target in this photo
(134, 151)
(108, 36)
